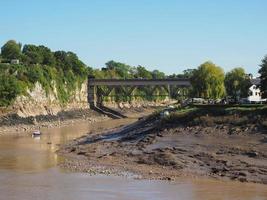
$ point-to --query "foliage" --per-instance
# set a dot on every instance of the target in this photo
(9, 89)
(11, 50)
(142, 72)
(70, 61)
(39, 64)
(33, 54)
(122, 70)
(217, 114)
(263, 77)
(208, 81)
(156, 74)
(237, 83)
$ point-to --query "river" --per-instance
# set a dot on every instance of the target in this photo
(28, 170)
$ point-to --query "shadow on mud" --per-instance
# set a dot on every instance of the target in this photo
(130, 133)
(107, 111)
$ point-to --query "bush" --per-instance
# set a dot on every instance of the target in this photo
(10, 88)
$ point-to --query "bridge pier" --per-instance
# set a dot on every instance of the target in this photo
(91, 91)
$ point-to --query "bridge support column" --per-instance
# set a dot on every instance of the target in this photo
(91, 89)
(167, 88)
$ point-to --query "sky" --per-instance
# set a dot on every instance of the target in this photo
(168, 35)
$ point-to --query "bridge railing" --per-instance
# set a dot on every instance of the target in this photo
(139, 82)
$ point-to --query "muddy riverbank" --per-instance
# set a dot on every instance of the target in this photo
(151, 150)
(12, 124)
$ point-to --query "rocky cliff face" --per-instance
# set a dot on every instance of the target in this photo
(37, 102)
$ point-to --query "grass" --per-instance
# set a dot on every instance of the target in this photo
(209, 115)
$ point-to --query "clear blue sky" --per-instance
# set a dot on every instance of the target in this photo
(169, 35)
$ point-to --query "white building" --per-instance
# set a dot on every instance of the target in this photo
(255, 92)
(14, 61)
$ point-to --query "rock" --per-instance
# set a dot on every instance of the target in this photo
(168, 178)
(246, 129)
(252, 154)
(72, 149)
(160, 135)
(242, 179)
(242, 174)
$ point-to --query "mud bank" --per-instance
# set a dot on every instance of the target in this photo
(13, 124)
(151, 149)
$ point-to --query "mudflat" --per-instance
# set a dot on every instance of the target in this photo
(148, 149)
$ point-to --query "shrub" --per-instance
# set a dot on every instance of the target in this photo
(10, 88)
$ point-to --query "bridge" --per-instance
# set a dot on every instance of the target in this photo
(96, 92)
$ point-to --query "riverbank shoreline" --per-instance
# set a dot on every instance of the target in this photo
(151, 150)
(12, 124)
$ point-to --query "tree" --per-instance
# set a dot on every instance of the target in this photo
(188, 73)
(62, 60)
(9, 89)
(32, 54)
(208, 81)
(237, 83)
(11, 50)
(142, 72)
(157, 74)
(69, 61)
(47, 56)
(263, 77)
(121, 69)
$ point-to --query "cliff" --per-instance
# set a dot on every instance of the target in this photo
(38, 102)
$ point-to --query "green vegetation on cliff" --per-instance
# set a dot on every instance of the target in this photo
(59, 69)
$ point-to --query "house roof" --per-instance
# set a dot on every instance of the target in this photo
(255, 81)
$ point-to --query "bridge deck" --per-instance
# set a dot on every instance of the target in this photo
(139, 82)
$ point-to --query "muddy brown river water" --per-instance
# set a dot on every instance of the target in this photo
(28, 170)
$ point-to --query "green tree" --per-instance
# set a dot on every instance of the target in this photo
(237, 83)
(77, 66)
(9, 89)
(208, 81)
(263, 76)
(157, 74)
(32, 54)
(142, 72)
(62, 60)
(123, 70)
(188, 73)
(11, 50)
(70, 61)
(47, 56)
